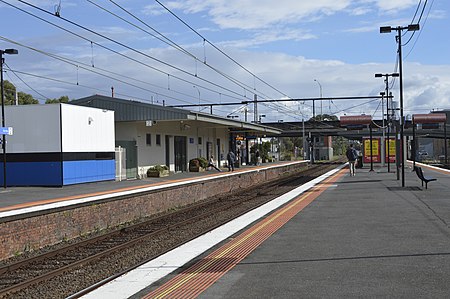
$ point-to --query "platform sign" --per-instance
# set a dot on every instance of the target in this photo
(390, 150)
(376, 154)
(6, 130)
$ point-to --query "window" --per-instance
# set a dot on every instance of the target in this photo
(148, 139)
(158, 139)
(199, 141)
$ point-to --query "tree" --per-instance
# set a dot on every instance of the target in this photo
(10, 98)
(26, 99)
(324, 117)
(339, 145)
(10, 91)
(288, 146)
(63, 99)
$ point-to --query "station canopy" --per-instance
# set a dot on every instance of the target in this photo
(432, 118)
(355, 120)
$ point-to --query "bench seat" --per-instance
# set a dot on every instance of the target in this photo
(422, 177)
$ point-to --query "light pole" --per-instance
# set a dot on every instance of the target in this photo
(383, 140)
(198, 97)
(6, 51)
(399, 29)
(386, 81)
(320, 87)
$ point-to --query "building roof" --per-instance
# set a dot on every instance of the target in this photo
(130, 110)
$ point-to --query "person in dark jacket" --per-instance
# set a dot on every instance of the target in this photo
(230, 159)
(352, 156)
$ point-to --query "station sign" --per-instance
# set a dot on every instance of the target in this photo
(6, 131)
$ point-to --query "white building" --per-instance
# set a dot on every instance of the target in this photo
(58, 144)
(158, 135)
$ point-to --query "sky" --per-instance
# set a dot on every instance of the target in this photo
(226, 51)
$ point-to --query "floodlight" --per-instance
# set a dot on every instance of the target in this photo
(385, 29)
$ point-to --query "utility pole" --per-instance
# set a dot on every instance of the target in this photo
(399, 29)
(255, 114)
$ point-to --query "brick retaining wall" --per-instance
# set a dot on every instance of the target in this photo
(49, 228)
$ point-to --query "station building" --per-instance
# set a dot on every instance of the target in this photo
(148, 134)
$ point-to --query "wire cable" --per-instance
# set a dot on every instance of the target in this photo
(222, 52)
(45, 97)
(218, 49)
(420, 32)
(97, 70)
(78, 84)
(117, 52)
(245, 86)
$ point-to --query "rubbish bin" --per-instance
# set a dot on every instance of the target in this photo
(359, 162)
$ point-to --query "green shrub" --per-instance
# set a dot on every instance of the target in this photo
(158, 168)
(203, 162)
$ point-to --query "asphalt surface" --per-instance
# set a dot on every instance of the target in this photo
(365, 236)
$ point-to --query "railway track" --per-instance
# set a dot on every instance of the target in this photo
(74, 269)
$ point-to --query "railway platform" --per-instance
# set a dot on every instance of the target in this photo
(340, 236)
(18, 198)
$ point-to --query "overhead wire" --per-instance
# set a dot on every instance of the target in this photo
(114, 51)
(96, 70)
(420, 32)
(355, 106)
(117, 52)
(171, 43)
(222, 52)
(164, 39)
(218, 49)
(132, 49)
(18, 77)
(74, 84)
(418, 22)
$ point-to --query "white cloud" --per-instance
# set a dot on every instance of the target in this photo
(253, 14)
(268, 36)
(395, 5)
(359, 11)
(153, 10)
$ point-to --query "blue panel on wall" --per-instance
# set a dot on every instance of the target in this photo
(32, 174)
(75, 172)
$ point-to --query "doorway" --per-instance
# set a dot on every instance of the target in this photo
(180, 153)
(131, 157)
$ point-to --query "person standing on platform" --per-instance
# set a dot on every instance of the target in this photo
(211, 163)
(230, 159)
(352, 156)
(258, 156)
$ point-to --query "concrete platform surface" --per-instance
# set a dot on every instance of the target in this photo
(365, 236)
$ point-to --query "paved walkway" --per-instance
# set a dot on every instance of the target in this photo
(363, 236)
